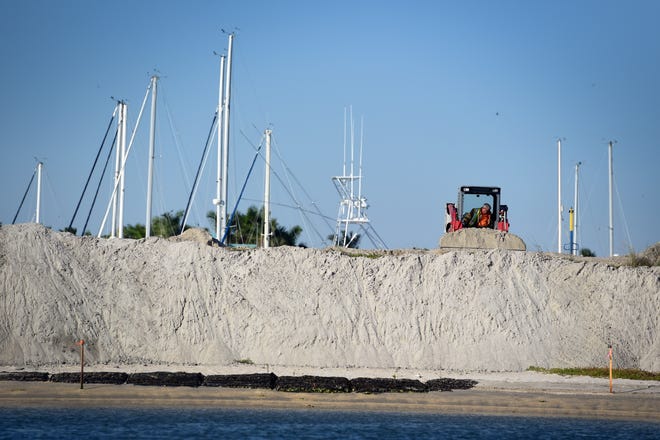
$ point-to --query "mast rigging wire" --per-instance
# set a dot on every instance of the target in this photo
(93, 167)
(98, 187)
(284, 205)
(238, 200)
(313, 203)
(202, 163)
(288, 190)
(623, 215)
(24, 195)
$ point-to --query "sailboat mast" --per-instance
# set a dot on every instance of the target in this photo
(119, 155)
(40, 165)
(576, 209)
(360, 168)
(113, 201)
(122, 173)
(152, 150)
(559, 196)
(225, 139)
(611, 175)
(218, 180)
(267, 192)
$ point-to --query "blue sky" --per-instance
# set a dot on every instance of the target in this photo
(451, 93)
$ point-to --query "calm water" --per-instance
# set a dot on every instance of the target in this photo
(141, 423)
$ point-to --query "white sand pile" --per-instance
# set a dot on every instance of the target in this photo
(481, 238)
(162, 302)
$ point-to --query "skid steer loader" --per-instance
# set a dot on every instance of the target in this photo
(465, 228)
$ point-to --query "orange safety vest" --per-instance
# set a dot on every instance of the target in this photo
(484, 220)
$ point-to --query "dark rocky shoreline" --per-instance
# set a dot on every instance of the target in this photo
(299, 384)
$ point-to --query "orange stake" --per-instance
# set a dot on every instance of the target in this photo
(82, 361)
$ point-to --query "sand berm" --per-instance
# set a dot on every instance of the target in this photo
(163, 302)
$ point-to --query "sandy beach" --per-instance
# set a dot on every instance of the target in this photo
(512, 394)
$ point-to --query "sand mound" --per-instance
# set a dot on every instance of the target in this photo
(652, 254)
(158, 302)
(193, 234)
(474, 238)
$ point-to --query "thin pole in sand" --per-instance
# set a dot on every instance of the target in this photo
(82, 361)
(610, 355)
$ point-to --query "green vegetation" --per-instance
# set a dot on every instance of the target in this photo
(248, 228)
(600, 372)
(244, 361)
(166, 225)
(372, 255)
(245, 229)
(586, 252)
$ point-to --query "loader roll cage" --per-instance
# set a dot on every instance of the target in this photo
(470, 197)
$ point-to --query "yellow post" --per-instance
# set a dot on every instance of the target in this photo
(611, 368)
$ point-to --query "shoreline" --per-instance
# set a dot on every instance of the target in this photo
(515, 399)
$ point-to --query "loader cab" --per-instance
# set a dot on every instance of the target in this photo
(470, 197)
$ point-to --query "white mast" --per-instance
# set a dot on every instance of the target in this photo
(119, 154)
(152, 149)
(343, 173)
(218, 181)
(122, 173)
(267, 192)
(360, 166)
(121, 167)
(38, 214)
(611, 227)
(559, 207)
(352, 153)
(113, 223)
(576, 211)
(225, 140)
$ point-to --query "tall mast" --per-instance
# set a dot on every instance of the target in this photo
(344, 165)
(218, 181)
(611, 174)
(225, 139)
(113, 201)
(122, 173)
(267, 192)
(40, 165)
(360, 166)
(352, 152)
(152, 150)
(559, 208)
(576, 210)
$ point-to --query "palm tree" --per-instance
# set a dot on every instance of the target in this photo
(166, 225)
(134, 231)
(248, 229)
(353, 239)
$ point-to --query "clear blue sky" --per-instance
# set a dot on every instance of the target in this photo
(452, 93)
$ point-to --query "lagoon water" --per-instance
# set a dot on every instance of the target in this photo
(157, 423)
